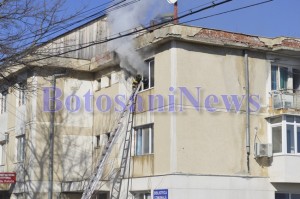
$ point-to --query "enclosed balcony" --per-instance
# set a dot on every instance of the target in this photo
(286, 99)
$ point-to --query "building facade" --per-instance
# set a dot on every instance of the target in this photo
(193, 136)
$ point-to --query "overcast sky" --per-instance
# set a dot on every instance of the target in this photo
(277, 18)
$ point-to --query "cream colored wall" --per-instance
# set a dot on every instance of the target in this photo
(203, 142)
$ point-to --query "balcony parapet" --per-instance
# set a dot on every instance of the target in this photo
(285, 101)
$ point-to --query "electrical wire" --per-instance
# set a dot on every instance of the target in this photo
(157, 26)
(221, 13)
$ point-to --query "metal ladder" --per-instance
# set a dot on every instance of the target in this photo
(117, 183)
(97, 174)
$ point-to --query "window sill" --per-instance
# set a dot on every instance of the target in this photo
(286, 154)
(148, 154)
(21, 162)
(146, 90)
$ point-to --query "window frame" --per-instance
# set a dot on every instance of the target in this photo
(21, 94)
(283, 124)
(3, 146)
(141, 152)
(289, 194)
(149, 81)
(284, 72)
(145, 194)
(21, 148)
(3, 102)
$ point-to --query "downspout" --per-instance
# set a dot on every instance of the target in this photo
(247, 109)
(51, 136)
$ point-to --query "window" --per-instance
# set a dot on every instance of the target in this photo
(280, 76)
(286, 134)
(97, 140)
(142, 195)
(3, 102)
(148, 75)
(21, 93)
(21, 148)
(2, 153)
(287, 196)
(144, 140)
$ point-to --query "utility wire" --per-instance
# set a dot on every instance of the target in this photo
(94, 16)
(228, 11)
(208, 16)
(157, 26)
(148, 24)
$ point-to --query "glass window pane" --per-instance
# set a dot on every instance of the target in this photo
(283, 78)
(290, 138)
(148, 196)
(3, 158)
(274, 77)
(298, 139)
(277, 139)
(297, 119)
(146, 77)
(151, 73)
(275, 120)
(152, 140)
(290, 118)
(295, 196)
(281, 196)
(146, 141)
(139, 142)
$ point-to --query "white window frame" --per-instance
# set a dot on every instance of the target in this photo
(283, 125)
(3, 102)
(21, 148)
(151, 137)
(290, 194)
(2, 153)
(150, 74)
(137, 195)
(21, 98)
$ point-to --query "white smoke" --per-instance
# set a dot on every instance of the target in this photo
(130, 17)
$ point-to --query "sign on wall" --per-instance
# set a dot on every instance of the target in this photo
(160, 194)
(7, 177)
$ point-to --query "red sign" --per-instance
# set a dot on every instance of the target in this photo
(7, 177)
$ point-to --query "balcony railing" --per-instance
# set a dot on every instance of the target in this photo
(286, 99)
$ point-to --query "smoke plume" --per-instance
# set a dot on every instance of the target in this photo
(129, 17)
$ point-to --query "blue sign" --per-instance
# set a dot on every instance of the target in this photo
(160, 194)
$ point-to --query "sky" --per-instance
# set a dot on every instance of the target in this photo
(274, 19)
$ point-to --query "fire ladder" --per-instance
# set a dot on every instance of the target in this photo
(97, 174)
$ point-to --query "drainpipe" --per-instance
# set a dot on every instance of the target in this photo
(51, 136)
(247, 109)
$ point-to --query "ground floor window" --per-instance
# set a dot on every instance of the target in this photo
(287, 196)
(142, 195)
(2, 153)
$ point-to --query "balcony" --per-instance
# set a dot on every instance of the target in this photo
(285, 169)
(285, 99)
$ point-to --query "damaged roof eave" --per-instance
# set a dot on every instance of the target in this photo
(217, 38)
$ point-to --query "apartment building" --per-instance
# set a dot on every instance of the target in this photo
(193, 136)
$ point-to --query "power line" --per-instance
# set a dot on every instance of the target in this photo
(94, 16)
(252, 5)
(225, 12)
(228, 11)
(129, 30)
(120, 35)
